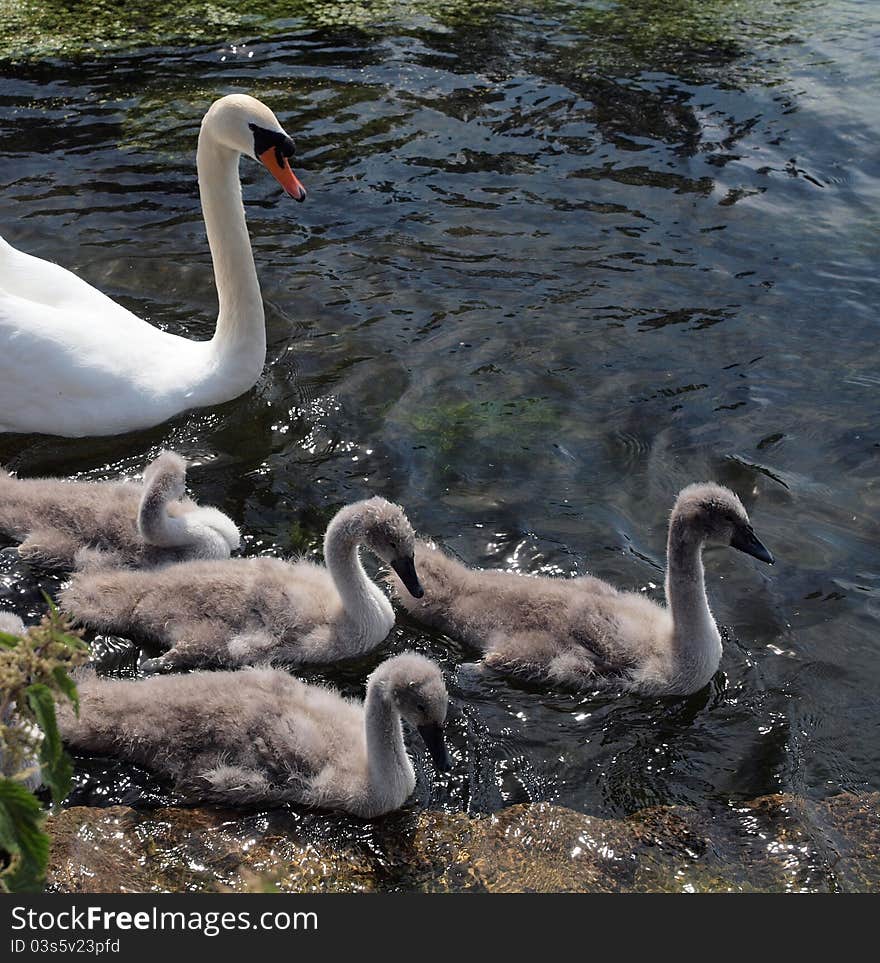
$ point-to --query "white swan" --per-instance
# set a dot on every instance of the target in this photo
(582, 632)
(243, 611)
(75, 363)
(260, 736)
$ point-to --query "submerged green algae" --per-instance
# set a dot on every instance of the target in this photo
(447, 426)
(646, 32)
(731, 42)
(33, 29)
(651, 28)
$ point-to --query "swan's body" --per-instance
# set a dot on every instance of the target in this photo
(128, 523)
(254, 610)
(75, 363)
(583, 632)
(259, 736)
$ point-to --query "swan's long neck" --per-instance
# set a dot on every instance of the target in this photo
(239, 343)
(696, 642)
(390, 773)
(367, 611)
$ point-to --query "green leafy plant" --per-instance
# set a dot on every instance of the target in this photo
(34, 673)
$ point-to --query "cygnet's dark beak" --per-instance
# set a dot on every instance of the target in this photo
(747, 541)
(432, 736)
(406, 570)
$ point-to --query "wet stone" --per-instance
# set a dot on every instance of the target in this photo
(774, 843)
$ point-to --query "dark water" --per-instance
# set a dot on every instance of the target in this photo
(546, 276)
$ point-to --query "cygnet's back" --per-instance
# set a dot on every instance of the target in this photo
(564, 630)
(81, 513)
(257, 735)
(228, 612)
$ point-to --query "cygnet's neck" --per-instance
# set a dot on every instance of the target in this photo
(238, 348)
(368, 612)
(390, 773)
(696, 642)
(157, 526)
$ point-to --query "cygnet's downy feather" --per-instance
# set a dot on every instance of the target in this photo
(247, 611)
(261, 737)
(61, 523)
(583, 632)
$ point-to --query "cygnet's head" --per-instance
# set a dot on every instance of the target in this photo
(166, 476)
(415, 685)
(383, 528)
(246, 125)
(165, 519)
(219, 533)
(714, 514)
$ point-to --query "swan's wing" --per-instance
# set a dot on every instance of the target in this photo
(83, 369)
(50, 285)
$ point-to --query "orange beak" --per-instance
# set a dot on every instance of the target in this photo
(279, 168)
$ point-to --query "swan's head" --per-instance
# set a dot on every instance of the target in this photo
(246, 125)
(415, 685)
(385, 530)
(713, 513)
